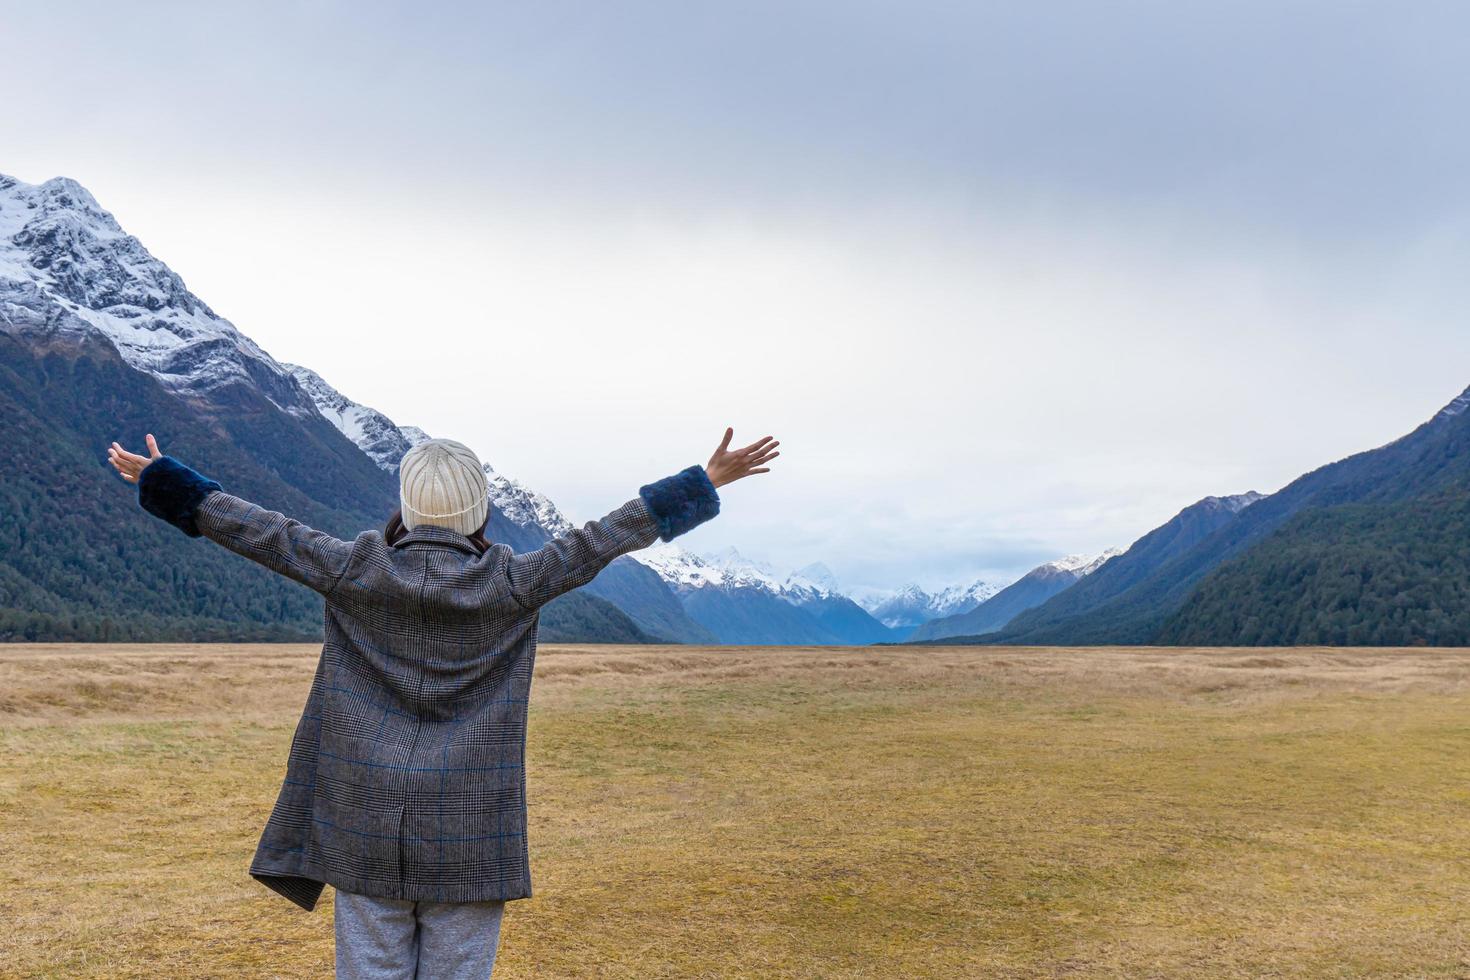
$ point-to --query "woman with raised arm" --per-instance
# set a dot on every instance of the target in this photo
(405, 789)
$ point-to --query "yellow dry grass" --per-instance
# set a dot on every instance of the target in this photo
(753, 812)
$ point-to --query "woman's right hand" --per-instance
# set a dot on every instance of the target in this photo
(130, 466)
(728, 465)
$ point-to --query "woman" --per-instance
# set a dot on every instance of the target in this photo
(405, 788)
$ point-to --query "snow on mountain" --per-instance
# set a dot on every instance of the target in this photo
(413, 434)
(904, 607)
(59, 250)
(372, 431)
(741, 571)
(1456, 407)
(1083, 564)
(1236, 502)
(521, 505)
(873, 599)
(911, 605)
(682, 570)
(811, 583)
(817, 576)
(961, 598)
(729, 569)
(745, 601)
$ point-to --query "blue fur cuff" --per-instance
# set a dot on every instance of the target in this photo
(680, 502)
(170, 490)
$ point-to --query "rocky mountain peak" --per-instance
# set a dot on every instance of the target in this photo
(68, 265)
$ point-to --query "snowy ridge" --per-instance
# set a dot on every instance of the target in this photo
(741, 571)
(522, 506)
(958, 598)
(372, 431)
(685, 571)
(413, 434)
(682, 570)
(1236, 502)
(1456, 407)
(1083, 564)
(873, 599)
(817, 576)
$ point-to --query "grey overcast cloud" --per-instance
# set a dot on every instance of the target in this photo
(1009, 281)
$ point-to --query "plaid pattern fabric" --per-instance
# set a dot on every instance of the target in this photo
(406, 776)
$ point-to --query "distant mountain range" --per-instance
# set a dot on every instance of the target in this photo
(1027, 592)
(742, 601)
(906, 609)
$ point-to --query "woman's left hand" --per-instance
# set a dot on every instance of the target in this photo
(130, 466)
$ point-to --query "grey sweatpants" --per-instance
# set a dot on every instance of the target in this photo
(388, 939)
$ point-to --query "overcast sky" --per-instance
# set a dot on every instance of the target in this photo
(1009, 281)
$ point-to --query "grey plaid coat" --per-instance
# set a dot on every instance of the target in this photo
(406, 777)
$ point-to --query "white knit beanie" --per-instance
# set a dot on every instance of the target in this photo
(441, 483)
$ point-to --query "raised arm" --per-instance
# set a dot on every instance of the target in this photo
(662, 510)
(197, 505)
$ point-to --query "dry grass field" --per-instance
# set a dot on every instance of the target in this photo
(749, 812)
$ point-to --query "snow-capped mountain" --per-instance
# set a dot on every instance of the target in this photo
(740, 570)
(815, 589)
(816, 575)
(1233, 503)
(897, 607)
(101, 341)
(727, 569)
(60, 249)
(682, 570)
(960, 598)
(911, 605)
(745, 601)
